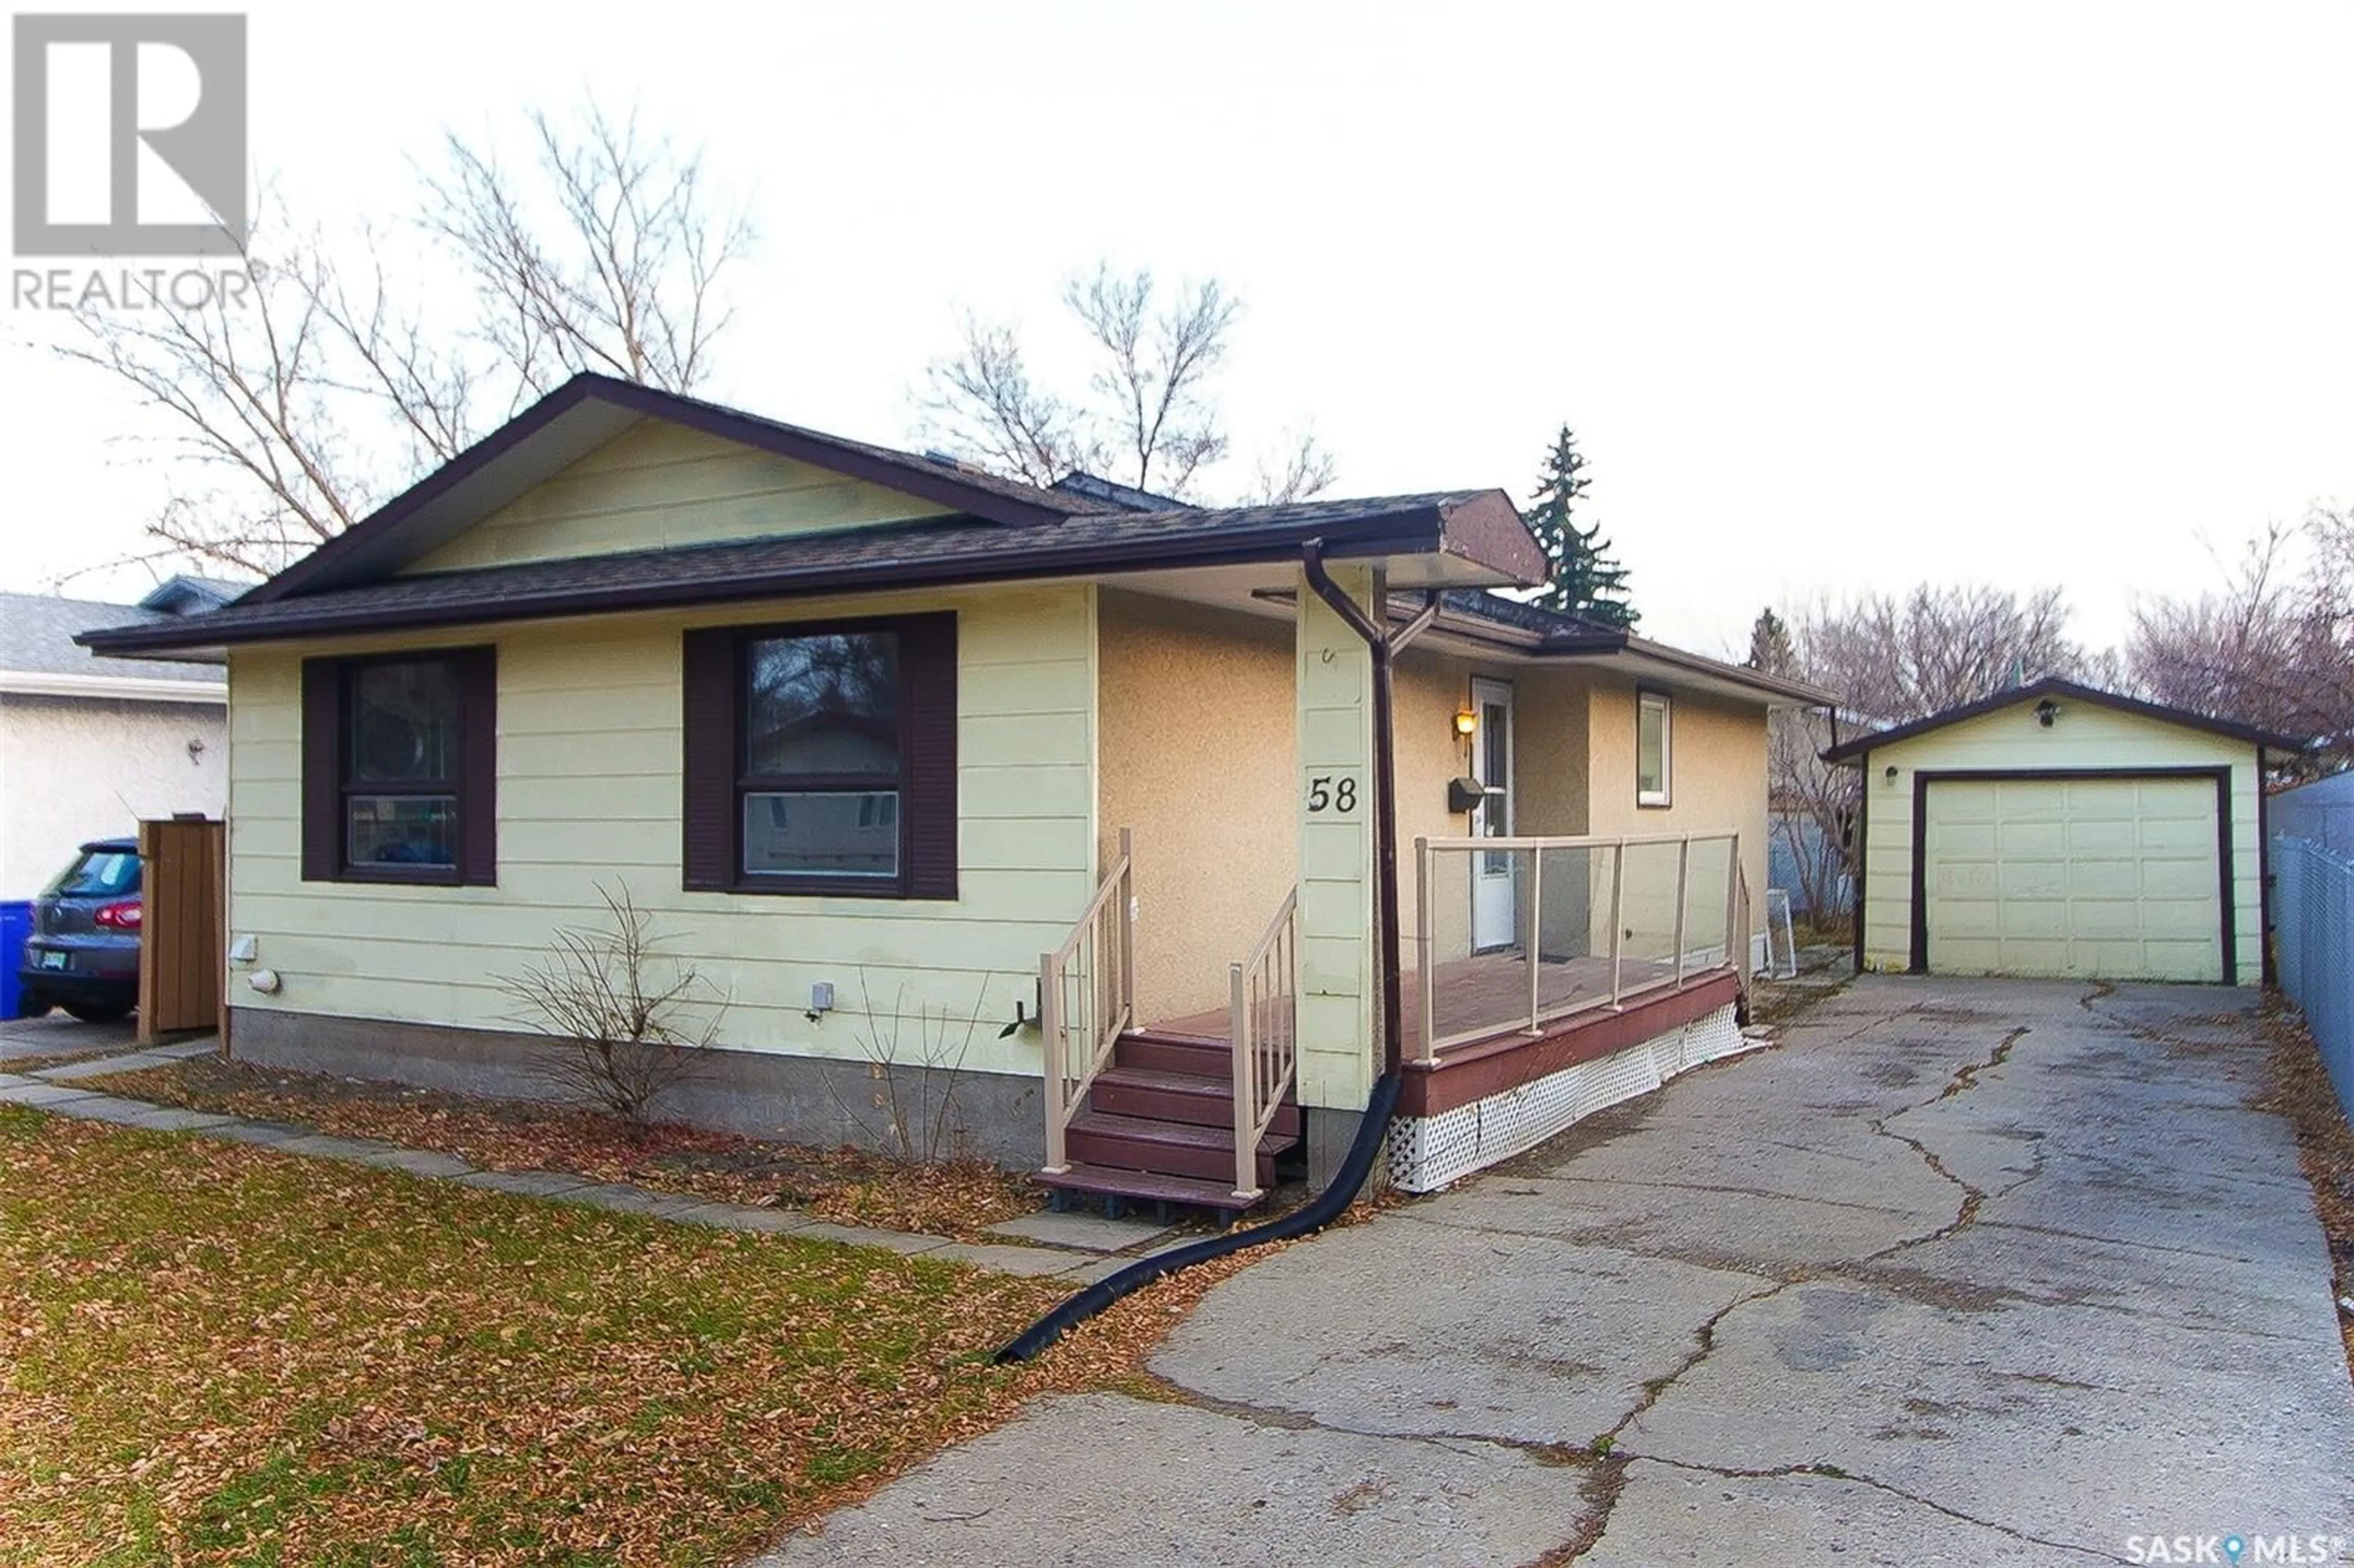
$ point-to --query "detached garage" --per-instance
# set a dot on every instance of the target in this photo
(2059, 831)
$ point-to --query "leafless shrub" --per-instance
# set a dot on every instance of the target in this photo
(911, 1082)
(619, 1017)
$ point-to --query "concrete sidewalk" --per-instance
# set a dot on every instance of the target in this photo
(1076, 1249)
(1963, 1272)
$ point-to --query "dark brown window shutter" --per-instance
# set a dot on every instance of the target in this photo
(928, 658)
(477, 761)
(323, 743)
(708, 768)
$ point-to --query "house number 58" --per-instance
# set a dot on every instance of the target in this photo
(1329, 794)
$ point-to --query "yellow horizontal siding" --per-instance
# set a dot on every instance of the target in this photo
(2011, 738)
(659, 486)
(588, 792)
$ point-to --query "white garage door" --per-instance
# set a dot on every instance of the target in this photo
(2090, 878)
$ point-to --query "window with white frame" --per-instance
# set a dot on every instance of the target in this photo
(1653, 747)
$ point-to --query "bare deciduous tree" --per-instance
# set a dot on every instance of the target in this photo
(295, 406)
(1147, 419)
(614, 268)
(2274, 647)
(619, 1017)
(1891, 658)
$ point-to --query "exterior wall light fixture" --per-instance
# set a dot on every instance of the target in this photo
(2045, 712)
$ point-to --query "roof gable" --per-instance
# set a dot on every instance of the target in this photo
(2062, 691)
(585, 414)
(658, 486)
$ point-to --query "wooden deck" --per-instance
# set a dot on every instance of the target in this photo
(1488, 993)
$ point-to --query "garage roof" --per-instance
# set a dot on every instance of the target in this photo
(2054, 687)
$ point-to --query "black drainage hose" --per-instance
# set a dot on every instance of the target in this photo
(1336, 1197)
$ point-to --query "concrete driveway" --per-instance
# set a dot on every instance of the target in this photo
(1962, 1273)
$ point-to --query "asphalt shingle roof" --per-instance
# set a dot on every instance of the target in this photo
(948, 550)
(37, 632)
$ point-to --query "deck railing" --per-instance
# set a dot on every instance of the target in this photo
(1570, 923)
(1087, 998)
(1265, 998)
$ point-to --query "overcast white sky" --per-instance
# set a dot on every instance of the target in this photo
(1836, 297)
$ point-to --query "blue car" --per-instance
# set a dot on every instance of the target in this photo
(83, 954)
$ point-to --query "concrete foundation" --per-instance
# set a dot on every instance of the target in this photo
(995, 1116)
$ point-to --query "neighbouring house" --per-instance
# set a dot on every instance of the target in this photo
(2054, 830)
(887, 745)
(90, 746)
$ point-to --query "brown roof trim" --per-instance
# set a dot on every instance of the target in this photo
(986, 497)
(1416, 527)
(1701, 664)
(2054, 687)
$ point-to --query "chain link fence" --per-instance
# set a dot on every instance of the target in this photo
(2313, 911)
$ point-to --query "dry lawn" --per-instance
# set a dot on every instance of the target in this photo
(213, 1354)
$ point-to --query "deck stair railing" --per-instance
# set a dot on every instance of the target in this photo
(1590, 922)
(1087, 998)
(1263, 996)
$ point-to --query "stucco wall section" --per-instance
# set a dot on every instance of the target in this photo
(2011, 738)
(1548, 765)
(1197, 757)
(1716, 779)
(657, 486)
(588, 793)
(72, 769)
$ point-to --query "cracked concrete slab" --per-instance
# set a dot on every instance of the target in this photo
(1529, 1339)
(1962, 1271)
(1705, 1519)
(1097, 1478)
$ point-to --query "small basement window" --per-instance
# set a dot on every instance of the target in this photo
(821, 758)
(399, 767)
(1653, 749)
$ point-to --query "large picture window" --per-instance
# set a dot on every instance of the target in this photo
(821, 758)
(399, 767)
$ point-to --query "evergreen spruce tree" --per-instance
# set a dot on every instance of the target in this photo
(1770, 648)
(1586, 580)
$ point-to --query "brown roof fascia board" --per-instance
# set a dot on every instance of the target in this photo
(2056, 687)
(1025, 557)
(994, 501)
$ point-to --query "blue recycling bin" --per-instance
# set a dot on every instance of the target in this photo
(16, 925)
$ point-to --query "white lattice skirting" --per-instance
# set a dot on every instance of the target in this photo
(1428, 1152)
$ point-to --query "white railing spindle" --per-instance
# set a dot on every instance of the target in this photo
(1086, 996)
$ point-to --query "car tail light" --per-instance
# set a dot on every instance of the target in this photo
(123, 917)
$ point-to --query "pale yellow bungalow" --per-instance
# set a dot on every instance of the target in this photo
(1068, 790)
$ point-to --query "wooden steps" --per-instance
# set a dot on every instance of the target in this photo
(1157, 1126)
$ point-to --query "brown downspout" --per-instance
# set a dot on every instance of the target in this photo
(1372, 1128)
(1384, 646)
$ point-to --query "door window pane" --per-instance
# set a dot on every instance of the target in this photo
(809, 833)
(822, 705)
(404, 722)
(401, 829)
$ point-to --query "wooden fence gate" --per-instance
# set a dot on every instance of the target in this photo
(182, 941)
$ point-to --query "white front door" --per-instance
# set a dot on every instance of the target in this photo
(1495, 876)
